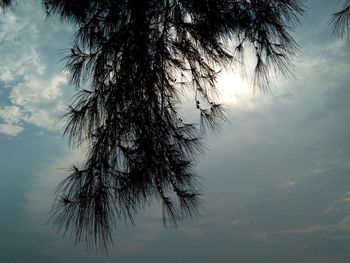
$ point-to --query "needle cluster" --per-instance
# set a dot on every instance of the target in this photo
(130, 62)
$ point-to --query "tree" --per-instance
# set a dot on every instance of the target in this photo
(130, 61)
(341, 21)
(5, 4)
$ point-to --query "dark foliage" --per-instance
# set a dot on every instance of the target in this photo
(5, 4)
(130, 63)
(341, 21)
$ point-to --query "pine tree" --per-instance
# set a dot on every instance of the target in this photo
(341, 21)
(5, 4)
(130, 63)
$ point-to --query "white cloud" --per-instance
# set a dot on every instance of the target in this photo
(262, 237)
(41, 118)
(11, 114)
(288, 185)
(192, 231)
(237, 222)
(41, 100)
(35, 101)
(34, 90)
(345, 200)
(341, 224)
(35, 85)
(9, 129)
(309, 229)
(40, 198)
(18, 49)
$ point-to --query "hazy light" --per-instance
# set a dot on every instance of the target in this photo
(232, 88)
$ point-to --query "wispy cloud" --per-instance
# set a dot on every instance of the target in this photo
(9, 129)
(342, 224)
(34, 87)
(288, 185)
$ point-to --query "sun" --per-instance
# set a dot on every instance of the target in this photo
(232, 88)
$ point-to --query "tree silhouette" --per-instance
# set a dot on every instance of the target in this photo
(341, 21)
(130, 63)
(5, 4)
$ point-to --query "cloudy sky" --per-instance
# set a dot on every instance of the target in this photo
(276, 180)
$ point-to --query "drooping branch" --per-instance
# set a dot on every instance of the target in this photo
(130, 62)
(341, 21)
(6, 4)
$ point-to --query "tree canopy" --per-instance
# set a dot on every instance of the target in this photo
(130, 63)
(4, 4)
(341, 21)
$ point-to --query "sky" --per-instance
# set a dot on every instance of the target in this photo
(276, 179)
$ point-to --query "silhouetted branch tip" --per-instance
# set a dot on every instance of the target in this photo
(131, 61)
(340, 21)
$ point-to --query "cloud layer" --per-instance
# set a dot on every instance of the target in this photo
(31, 82)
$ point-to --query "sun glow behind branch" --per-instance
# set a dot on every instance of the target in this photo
(232, 88)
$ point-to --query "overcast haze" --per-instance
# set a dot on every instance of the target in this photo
(276, 179)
